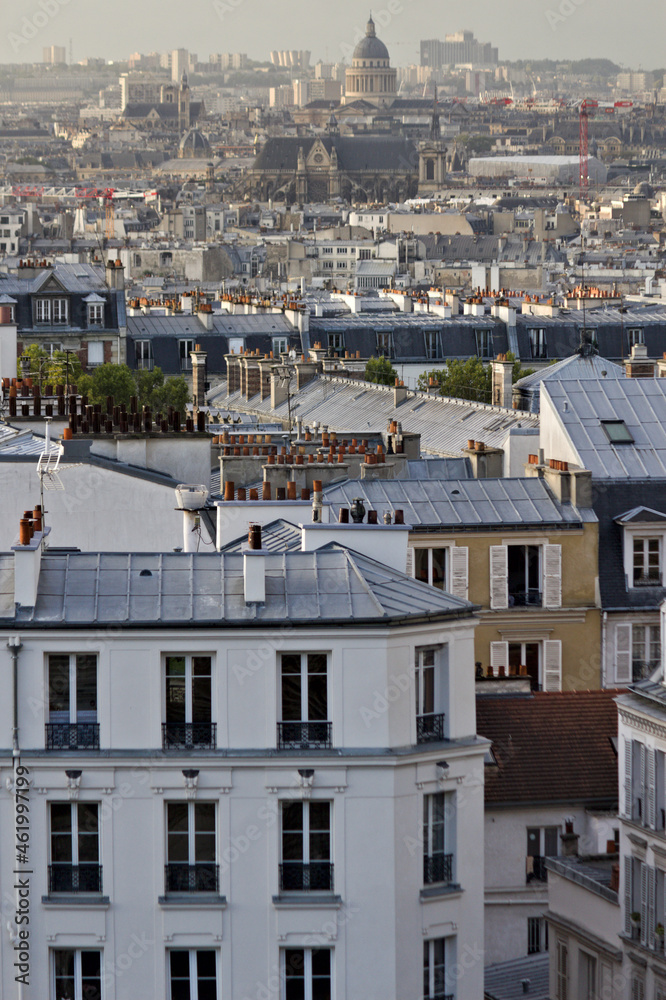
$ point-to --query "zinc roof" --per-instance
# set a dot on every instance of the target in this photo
(445, 424)
(582, 405)
(331, 584)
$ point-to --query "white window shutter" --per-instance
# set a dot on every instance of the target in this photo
(499, 655)
(410, 561)
(651, 903)
(552, 576)
(459, 575)
(650, 788)
(623, 653)
(628, 894)
(499, 591)
(641, 779)
(552, 665)
(628, 762)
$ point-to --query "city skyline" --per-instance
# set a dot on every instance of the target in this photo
(552, 29)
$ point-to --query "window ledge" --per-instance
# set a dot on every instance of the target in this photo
(435, 891)
(307, 900)
(193, 899)
(93, 900)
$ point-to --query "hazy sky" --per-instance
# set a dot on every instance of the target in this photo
(631, 33)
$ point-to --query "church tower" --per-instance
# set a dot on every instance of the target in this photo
(432, 156)
(184, 105)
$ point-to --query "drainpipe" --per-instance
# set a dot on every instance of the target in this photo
(604, 665)
(14, 645)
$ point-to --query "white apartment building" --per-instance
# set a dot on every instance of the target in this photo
(246, 776)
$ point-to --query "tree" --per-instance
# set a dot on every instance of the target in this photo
(151, 388)
(158, 392)
(380, 371)
(59, 368)
(108, 380)
(469, 379)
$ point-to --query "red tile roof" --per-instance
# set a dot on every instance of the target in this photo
(551, 748)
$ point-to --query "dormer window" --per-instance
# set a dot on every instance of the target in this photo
(96, 314)
(647, 562)
(51, 311)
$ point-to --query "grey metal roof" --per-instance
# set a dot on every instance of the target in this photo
(582, 405)
(438, 468)
(576, 366)
(331, 584)
(143, 327)
(445, 424)
(277, 536)
(462, 503)
(504, 981)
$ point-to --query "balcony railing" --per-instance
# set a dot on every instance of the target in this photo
(295, 876)
(437, 868)
(430, 728)
(536, 870)
(525, 599)
(304, 735)
(145, 364)
(202, 877)
(72, 735)
(75, 878)
(642, 670)
(652, 579)
(189, 735)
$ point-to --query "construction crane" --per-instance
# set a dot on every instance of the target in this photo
(587, 106)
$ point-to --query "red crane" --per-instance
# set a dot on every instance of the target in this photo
(586, 107)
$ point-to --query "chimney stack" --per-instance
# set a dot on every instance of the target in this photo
(639, 365)
(199, 359)
(254, 567)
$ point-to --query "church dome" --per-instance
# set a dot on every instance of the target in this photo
(194, 144)
(370, 47)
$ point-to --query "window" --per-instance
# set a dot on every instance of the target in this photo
(617, 432)
(96, 314)
(342, 264)
(144, 355)
(434, 969)
(336, 341)
(430, 567)
(77, 974)
(537, 935)
(645, 651)
(484, 344)
(72, 680)
(542, 843)
(341, 250)
(524, 658)
(327, 250)
(188, 723)
(304, 701)
(587, 976)
(364, 253)
(236, 345)
(60, 310)
(433, 349)
(385, 344)
(538, 346)
(647, 562)
(437, 864)
(192, 975)
(280, 346)
(95, 353)
(184, 348)
(42, 311)
(306, 973)
(328, 265)
(191, 847)
(562, 975)
(524, 575)
(306, 847)
(429, 684)
(635, 336)
(75, 863)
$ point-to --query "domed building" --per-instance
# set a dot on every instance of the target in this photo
(194, 146)
(370, 77)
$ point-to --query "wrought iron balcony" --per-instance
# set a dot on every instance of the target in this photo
(437, 868)
(439, 996)
(430, 728)
(201, 877)
(525, 599)
(72, 735)
(304, 735)
(189, 735)
(295, 876)
(75, 878)
(536, 869)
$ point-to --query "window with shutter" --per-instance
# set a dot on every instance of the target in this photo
(498, 576)
(499, 656)
(649, 787)
(644, 903)
(410, 562)
(623, 653)
(552, 665)
(651, 903)
(628, 893)
(562, 971)
(552, 577)
(459, 571)
(628, 765)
